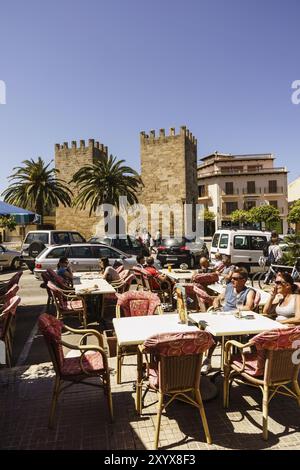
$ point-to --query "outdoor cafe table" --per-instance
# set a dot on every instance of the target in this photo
(135, 330)
(225, 324)
(92, 284)
(178, 275)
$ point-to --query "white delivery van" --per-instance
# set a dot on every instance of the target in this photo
(244, 246)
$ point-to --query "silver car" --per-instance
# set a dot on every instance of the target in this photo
(82, 257)
(9, 258)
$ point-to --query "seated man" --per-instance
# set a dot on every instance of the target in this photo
(236, 293)
(150, 268)
(204, 265)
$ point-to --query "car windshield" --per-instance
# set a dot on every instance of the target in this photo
(173, 242)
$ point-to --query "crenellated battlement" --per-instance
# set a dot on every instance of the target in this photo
(151, 137)
(92, 144)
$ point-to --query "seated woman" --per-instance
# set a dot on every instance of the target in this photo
(64, 270)
(284, 301)
(108, 272)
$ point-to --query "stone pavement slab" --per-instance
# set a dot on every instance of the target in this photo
(82, 420)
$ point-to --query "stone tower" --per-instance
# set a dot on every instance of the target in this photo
(68, 161)
(169, 170)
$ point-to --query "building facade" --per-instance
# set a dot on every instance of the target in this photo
(230, 182)
(169, 175)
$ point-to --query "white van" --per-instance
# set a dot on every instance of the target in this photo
(244, 246)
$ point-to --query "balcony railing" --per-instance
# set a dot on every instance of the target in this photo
(231, 171)
(232, 192)
(252, 190)
(277, 190)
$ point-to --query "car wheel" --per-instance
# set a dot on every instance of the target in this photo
(16, 263)
(35, 248)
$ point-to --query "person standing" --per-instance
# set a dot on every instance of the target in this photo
(158, 237)
(273, 251)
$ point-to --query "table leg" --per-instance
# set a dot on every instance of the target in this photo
(139, 381)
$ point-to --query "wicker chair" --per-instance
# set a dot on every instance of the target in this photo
(68, 304)
(7, 317)
(271, 367)
(91, 361)
(58, 280)
(162, 288)
(134, 303)
(175, 371)
(6, 285)
(12, 292)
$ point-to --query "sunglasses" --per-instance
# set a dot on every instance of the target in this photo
(280, 283)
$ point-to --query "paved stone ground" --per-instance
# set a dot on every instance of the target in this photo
(82, 420)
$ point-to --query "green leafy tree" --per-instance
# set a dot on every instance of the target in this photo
(294, 213)
(266, 213)
(104, 182)
(240, 215)
(36, 186)
(208, 215)
(8, 222)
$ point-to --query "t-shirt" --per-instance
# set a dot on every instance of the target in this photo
(154, 273)
(274, 253)
(231, 297)
(61, 271)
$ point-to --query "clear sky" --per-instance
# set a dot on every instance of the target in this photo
(108, 69)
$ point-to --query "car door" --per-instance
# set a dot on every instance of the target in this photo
(81, 258)
(241, 250)
(101, 251)
(257, 244)
(4, 258)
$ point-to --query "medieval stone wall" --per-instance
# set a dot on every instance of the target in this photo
(68, 160)
(169, 171)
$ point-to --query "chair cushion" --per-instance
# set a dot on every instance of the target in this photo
(51, 329)
(139, 307)
(254, 364)
(153, 377)
(203, 296)
(205, 278)
(74, 305)
(142, 303)
(277, 339)
(92, 363)
(179, 344)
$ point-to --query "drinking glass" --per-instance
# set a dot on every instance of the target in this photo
(239, 306)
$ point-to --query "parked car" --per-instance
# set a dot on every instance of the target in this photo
(244, 246)
(36, 241)
(9, 258)
(83, 257)
(181, 250)
(129, 244)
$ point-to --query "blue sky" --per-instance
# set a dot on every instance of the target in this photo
(103, 69)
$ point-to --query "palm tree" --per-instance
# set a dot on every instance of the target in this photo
(36, 186)
(104, 182)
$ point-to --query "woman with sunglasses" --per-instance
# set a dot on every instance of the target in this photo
(284, 300)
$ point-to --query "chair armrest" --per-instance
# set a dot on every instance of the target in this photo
(227, 351)
(85, 333)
